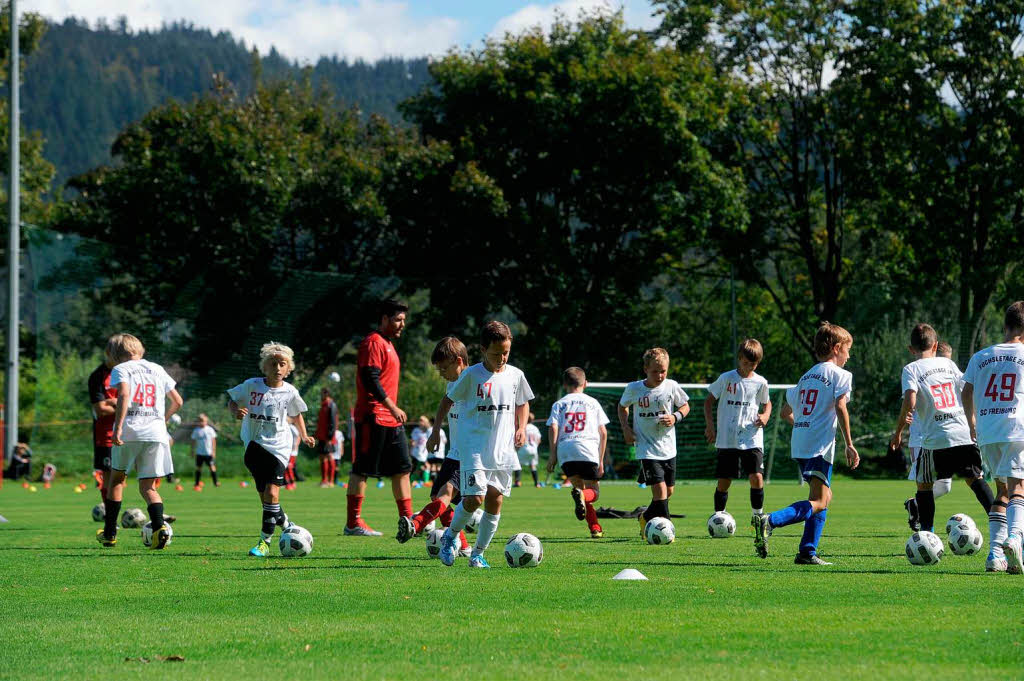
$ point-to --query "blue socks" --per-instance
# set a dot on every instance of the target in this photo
(794, 513)
(802, 512)
(812, 533)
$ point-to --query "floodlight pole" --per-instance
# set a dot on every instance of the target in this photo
(732, 300)
(13, 247)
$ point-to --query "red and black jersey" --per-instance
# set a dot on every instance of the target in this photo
(377, 369)
(327, 420)
(99, 390)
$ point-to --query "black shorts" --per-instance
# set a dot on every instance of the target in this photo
(100, 458)
(449, 473)
(653, 471)
(324, 448)
(381, 451)
(739, 463)
(963, 460)
(266, 468)
(435, 460)
(584, 469)
(204, 458)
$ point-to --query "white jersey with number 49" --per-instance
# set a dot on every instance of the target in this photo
(148, 385)
(579, 418)
(813, 401)
(997, 374)
(939, 411)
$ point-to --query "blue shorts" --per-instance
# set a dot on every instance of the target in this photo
(816, 468)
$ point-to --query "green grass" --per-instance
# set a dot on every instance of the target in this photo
(369, 608)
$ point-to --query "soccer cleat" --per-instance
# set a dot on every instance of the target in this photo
(406, 529)
(1012, 549)
(643, 526)
(762, 530)
(913, 517)
(262, 549)
(448, 550)
(466, 551)
(596, 533)
(995, 564)
(580, 505)
(160, 538)
(102, 538)
(810, 560)
(361, 531)
(478, 561)
(170, 518)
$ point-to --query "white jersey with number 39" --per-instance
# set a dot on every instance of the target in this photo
(578, 418)
(813, 401)
(997, 374)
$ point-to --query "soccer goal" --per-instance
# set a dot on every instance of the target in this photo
(696, 458)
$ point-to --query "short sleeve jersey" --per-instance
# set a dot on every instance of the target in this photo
(337, 444)
(453, 424)
(266, 424)
(997, 374)
(148, 385)
(653, 440)
(487, 418)
(419, 437)
(938, 411)
(578, 418)
(204, 438)
(295, 439)
(378, 352)
(739, 402)
(100, 390)
(533, 438)
(813, 401)
(914, 438)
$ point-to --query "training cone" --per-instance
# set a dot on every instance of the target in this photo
(179, 488)
(243, 483)
(631, 574)
(78, 490)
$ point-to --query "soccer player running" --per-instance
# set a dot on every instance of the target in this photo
(529, 454)
(382, 450)
(993, 397)
(204, 449)
(326, 426)
(103, 400)
(814, 407)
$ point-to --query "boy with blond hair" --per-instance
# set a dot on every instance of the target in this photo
(658, 403)
(814, 406)
(744, 408)
(263, 405)
(140, 434)
(204, 449)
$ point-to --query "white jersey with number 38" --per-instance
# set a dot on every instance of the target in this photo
(813, 401)
(578, 418)
(997, 374)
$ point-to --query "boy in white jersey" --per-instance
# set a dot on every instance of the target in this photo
(337, 449)
(931, 391)
(418, 445)
(450, 358)
(578, 437)
(263, 405)
(658, 404)
(492, 424)
(204, 449)
(993, 397)
(744, 408)
(528, 454)
(140, 434)
(814, 407)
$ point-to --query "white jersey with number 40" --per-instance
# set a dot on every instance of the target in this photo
(578, 418)
(997, 374)
(653, 440)
(813, 401)
(148, 385)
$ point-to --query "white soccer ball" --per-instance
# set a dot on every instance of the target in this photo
(434, 543)
(428, 528)
(99, 512)
(295, 542)
(659, 531)
(959, 519)
(147, 533)
(334, 376)
(924, 548)
(133, 517)
(523, 550)
(965, 540)
(175, 419)
(474, 520)
(721, 525)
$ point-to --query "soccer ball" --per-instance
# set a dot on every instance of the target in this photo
(474, 520)
(924, 548)
(523, 550)
(99, 512)
(434, 543)
(959, 519)
(721, 525)
(133, 517)
(147, 533)
(295, 542)
(428, 528)
(334, 376)
(659, 531)
(965, 540)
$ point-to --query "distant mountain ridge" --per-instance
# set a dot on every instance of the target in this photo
(85, 84)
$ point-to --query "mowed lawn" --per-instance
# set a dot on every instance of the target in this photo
(369, 608)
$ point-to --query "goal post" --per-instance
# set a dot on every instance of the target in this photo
(696, 458)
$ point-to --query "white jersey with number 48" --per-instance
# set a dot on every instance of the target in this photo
(148, 385)
(997, 374)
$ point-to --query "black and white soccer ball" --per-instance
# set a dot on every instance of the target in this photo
(959, 519)
(133, 517)
(147, 533)
(99, 512)
(721, 525)
(433, 542)
(523, 550)
(659, 531)
(428, 528)
(474, 520)
(295, 542)
(965, 540)
(924, 548)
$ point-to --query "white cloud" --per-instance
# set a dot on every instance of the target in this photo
(299, 29)
(637, 14)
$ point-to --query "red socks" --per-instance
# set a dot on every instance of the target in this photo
(332, 470)
(591, 516)
(447, 516)
(589, 495)
(462, 538)
(323, 470)
(355, 507)
(404, 507)
(429, 512)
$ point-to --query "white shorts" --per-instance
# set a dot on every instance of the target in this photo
(474, 483)
(336, 457)
(419, 455)
(150, 459)
(528, 459)
(1004, 459)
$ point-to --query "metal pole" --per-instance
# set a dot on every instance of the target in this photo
(13, 246)
(732, 296)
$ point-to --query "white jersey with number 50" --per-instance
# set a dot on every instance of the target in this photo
(148, 385)
(938, 411)
(813, 401)
(579, 418)
(997, 374)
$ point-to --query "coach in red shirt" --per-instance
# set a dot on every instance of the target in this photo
(102, 399)
(382, 449)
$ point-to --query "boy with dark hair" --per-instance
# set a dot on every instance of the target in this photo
(204, 449)
(326, 426)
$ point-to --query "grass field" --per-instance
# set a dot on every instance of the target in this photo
(369, 608)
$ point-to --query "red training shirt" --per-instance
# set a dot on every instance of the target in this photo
(378, 352)
(99, 390)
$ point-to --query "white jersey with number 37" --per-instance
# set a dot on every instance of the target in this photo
(997, 374)
(813, 401)
(578, 418)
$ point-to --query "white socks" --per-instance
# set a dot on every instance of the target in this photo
(459, 519)
(997, 532)
(942, 487)
(485, 532)
(1015, 516)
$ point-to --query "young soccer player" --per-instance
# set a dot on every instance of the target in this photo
(814, 407)
(140, 434)
(993, 397)
(326, 426)
(418, 445)
(658, 404)
(578, 433)
(289, 472)
(528, 454)
(204, 449)
(744, 408)
(492, 424)
(263, 405)
(450, 358)
(103, 400)
(931, 390)
(337, 449)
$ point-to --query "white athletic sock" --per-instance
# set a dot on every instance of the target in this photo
(942, 487)
(485, 532)
(756, 511)
(996, 534)
(1015, 516)
(459, 519)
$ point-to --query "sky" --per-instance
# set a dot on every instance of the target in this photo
(354, 29)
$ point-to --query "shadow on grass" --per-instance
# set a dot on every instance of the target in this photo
(584, 540)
